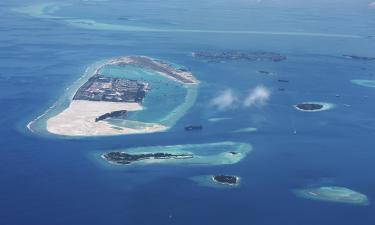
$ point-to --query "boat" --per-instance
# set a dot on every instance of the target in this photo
(193, 127)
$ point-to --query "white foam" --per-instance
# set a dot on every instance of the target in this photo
(46, 11)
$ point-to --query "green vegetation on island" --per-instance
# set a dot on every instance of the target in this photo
(219, 153)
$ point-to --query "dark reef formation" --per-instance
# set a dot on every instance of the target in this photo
(127, 158)
(239, 55)
(309, 106)
(122, 114)
(225, 179)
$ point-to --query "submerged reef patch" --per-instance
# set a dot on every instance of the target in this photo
(218, 119)
(246, 130)
(333, 194)
(48, 11)
(238, 55)
(364, 83)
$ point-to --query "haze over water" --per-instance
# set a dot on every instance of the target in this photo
(50, 180)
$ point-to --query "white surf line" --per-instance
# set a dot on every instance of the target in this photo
(58, 102)
(29, 125)
(91, 24)
(285, 33)
(46, 11)
(43, 11)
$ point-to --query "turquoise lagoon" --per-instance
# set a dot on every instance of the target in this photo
(47, 11)
(166, 102)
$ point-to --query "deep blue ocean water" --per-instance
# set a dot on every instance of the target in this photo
(57, 181)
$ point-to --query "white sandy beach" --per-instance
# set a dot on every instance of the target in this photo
(79, 120)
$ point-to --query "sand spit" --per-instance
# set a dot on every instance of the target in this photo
(79, 120)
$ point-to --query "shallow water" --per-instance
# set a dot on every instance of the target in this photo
(47, 180)
(169, 92)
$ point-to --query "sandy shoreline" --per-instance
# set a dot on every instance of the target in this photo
(79, 120)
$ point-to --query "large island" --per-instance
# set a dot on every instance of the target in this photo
(108, 100)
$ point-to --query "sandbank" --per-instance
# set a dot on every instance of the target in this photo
(79, 120)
